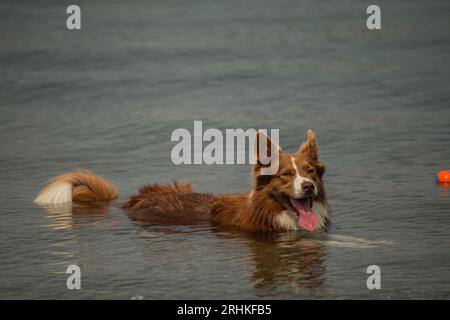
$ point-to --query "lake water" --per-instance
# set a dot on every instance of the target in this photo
(108, 97)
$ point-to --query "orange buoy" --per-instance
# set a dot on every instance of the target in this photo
(443, 176)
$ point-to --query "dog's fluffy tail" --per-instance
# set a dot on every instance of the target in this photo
(80, 186)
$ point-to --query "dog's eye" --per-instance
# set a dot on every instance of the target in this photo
(287, 174)
(310, 170)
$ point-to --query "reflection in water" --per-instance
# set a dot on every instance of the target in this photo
(279, 259)
(165, 220)
(282, 259)
(70, 215)
(157, 231)
(444, 189)
(155, 226)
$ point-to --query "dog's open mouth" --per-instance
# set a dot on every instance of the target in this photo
(306, 217)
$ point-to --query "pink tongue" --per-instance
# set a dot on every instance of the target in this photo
(307, 219)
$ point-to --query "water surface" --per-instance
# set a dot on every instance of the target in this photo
(109, 96)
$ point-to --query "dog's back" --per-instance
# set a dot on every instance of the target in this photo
(173, 203)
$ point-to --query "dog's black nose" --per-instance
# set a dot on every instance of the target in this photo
(307, 186)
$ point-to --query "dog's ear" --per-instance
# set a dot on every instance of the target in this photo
(309, 147)
(263, 158)
(320, 167)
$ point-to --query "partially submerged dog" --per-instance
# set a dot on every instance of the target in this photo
(292, 199)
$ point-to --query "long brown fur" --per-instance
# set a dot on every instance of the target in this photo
(176, 203)
(86, 187)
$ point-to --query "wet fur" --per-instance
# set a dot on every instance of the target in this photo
(266, 208)
(80, 186)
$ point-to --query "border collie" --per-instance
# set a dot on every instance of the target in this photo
(292, 199)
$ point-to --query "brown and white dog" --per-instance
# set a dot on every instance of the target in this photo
(292, 199)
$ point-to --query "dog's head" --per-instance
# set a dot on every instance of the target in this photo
(298, 182)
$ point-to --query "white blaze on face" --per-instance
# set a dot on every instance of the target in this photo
(299, 180)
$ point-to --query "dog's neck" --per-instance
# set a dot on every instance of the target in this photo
(263, 209)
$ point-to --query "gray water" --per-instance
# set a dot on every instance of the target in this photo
(109, 96)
